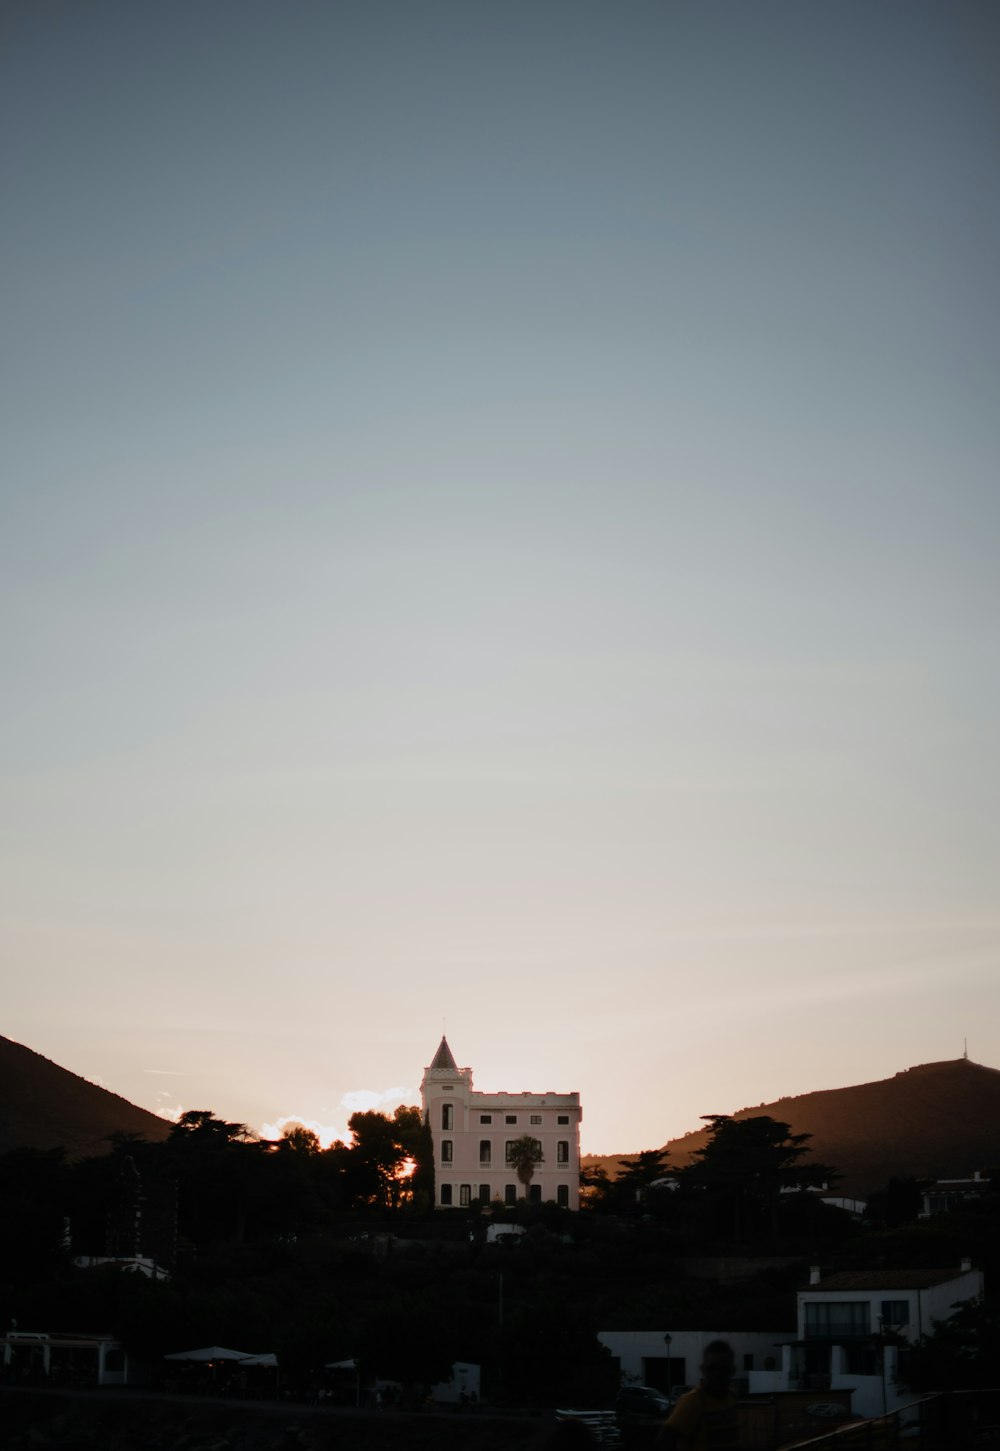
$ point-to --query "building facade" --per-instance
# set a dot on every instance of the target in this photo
(853, 1325)
(474, 1134)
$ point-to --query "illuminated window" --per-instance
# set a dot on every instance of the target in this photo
(448, 1116)
(447, 1151)
(445, 1193)
(562, 1151)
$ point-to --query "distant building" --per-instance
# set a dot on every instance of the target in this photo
(473, 1133)
(940, 1195)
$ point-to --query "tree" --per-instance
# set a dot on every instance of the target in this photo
(416, 1137)
(522, 1156)
(297, 1139)
(381, 1154)
(748, 1164)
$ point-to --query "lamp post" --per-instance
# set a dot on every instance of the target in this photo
(667, 1340)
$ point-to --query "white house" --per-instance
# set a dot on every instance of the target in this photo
(841, 1322)
(667, 1359)
(473, 1133)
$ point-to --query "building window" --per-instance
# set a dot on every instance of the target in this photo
(562, 1151)
(563, 1118)
(562, 1195)
(485, 1118)
(895, 1313)
(534, 1193)
(484, 1194)
(837, 1320)
(445, 1193)
(508, 1151)
(511, 1118)
(447, 1153)
(536, 1118)
(464, 1195)
(485, 1152)
(448, 1116)
(510, 1193)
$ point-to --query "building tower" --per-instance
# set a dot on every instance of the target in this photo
(473, 1133)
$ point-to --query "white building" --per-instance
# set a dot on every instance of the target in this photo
(473, 1133)
(845, 1320)
(669, 1359)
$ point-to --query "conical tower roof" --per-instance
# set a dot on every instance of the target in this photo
(444, 1059)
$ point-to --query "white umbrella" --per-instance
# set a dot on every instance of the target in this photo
(209, 1352)
(269, 1359)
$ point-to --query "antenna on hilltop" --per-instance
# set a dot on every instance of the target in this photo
(965, 1052)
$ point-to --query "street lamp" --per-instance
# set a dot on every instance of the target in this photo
(667, 1340)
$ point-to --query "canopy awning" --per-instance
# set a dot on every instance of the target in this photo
(209, 1352)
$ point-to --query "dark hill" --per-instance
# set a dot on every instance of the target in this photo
(939, 1120)
(43, 1106)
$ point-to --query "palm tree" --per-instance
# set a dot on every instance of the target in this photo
(522, 1155)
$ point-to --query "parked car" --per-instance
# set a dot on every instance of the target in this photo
(641, 1403)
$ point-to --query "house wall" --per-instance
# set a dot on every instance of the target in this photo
(634, 1349)
(552, 1118)
(936, 1302)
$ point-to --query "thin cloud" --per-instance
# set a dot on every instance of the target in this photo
(362, 1100)
(168, 1110)
(326, 1133)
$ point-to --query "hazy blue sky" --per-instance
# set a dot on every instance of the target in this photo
(500, 527)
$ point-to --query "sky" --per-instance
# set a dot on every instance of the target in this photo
(500, 536)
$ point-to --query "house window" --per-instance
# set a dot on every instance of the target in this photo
(562, 1195)
(534, 1193)
(895, 1313)
(837, 1320)
(464, 1195)
(448, 1116)
(484, 1194)
(511, 1118)
(508, 1151)
(536, 1118)
(485, 1152)
(510, 1193)
(485, 1118)
(562, 1151)
(445, 1193)
(563, 1118)
(447, 1151)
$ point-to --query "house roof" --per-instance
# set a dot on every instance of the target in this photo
(444, 1058)
(884, 1280)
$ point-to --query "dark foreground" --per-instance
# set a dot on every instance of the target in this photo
(34, 1420)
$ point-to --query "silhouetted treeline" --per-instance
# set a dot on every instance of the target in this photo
(321, 1255)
